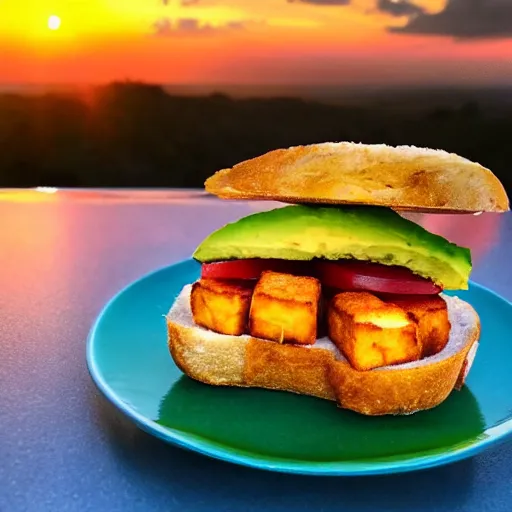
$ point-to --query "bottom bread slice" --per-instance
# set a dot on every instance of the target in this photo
(320, 370)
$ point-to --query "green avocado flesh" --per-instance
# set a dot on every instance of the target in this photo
(368, 233)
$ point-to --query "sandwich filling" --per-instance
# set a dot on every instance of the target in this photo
(364, 276)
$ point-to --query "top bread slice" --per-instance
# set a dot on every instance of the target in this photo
(320, 370)
(404, 178)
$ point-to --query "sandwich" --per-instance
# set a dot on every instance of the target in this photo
(335, 293)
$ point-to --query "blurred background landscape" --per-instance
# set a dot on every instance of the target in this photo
(162, 93)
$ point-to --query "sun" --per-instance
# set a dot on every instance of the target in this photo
(54, 22)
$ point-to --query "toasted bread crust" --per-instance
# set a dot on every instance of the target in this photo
(406, 391)
(288, 367)
(403, 178)
(320, 370)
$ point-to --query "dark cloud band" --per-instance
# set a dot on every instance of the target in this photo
(399, 8)
(464, 19)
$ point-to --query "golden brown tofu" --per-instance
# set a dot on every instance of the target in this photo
(221, 306)
(431, 315)
(371, 333)
(284, 308)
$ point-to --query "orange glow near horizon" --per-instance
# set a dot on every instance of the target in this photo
(237, 41)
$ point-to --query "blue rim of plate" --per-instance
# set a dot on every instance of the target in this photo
(494, 435)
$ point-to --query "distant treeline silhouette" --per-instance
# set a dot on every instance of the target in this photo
(138, 135)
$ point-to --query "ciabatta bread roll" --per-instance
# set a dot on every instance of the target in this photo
(403, 178)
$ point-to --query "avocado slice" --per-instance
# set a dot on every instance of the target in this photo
(371, 233)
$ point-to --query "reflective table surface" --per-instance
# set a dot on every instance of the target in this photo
(63, 254)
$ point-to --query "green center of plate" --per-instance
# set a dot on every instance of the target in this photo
(282, 425)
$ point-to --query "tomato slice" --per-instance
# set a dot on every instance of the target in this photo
(373, 277)
(337, 275)
(250, 268)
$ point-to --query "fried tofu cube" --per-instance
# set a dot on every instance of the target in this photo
(371, 333)
(284, 308)
(221, 306)
(430, 312)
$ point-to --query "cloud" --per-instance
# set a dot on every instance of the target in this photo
(165, 27)
(183, 3)
(399, 7)
(162, 27)
(192, 25)
(321, 2)
(236, 25)
(464, 19)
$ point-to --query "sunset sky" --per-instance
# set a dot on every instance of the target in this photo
(257, 41)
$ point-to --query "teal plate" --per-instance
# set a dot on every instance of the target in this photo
(128, 360)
